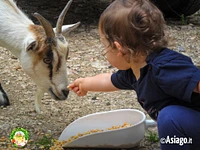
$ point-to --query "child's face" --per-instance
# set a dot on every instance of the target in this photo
(114, 56)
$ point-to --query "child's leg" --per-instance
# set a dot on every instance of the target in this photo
(178, 125)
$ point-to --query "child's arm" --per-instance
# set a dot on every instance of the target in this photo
(98, 83)
(197, 88)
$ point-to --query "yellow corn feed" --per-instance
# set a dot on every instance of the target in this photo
(58, 144)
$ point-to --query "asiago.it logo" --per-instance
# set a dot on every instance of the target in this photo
(19, 137)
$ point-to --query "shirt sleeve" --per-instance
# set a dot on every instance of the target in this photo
(124, 79)
(178, 78)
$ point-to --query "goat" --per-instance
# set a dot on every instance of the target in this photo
(41, 49)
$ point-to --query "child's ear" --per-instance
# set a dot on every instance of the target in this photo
(117, 45)
(119, 48)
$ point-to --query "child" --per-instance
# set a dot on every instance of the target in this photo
(167, 83)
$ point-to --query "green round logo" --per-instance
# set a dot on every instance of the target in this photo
(19, 137)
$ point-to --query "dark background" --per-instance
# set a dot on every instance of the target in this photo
(86, 11)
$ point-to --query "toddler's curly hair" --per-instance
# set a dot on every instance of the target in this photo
(138, 25)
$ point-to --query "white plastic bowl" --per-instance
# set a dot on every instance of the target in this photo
(120, 138)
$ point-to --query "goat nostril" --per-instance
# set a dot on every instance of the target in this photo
(65, 92)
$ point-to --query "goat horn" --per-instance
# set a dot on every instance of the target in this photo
(46, 25)
(61, 18)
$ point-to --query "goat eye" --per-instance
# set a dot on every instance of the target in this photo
(47, 60)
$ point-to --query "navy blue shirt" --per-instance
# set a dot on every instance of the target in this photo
(169, 78)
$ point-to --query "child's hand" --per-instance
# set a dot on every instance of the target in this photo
(76, 86)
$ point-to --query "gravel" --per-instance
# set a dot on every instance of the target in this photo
(85, 60)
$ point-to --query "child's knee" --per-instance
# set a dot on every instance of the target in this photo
(164, 119)
(169, 122)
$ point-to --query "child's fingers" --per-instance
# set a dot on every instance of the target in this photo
(81, 92)
(71, 86)
(78, 93)
(75, 89)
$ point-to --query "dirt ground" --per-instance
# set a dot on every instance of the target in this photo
(85, 60)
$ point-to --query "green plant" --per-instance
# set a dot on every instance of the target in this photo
(152, 136)
(183, 19)
(44, 143)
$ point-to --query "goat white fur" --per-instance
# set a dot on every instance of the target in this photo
(41, 49)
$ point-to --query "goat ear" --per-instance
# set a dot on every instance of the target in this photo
(67, 54)
(31, 46)
(68, 28)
